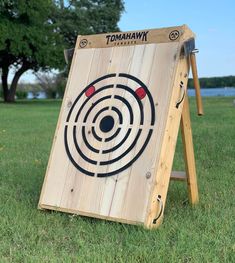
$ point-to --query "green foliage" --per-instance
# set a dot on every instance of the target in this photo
(214, 82)
(38, 30)
(188, 235)
(52, 84)
(83, 17)
(61, 81)
(28, 34)
(47, 82)
(21, 94)
(34, 33)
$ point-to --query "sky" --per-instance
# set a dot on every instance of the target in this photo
(213, 22)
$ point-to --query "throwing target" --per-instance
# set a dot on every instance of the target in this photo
(109, 125)
(115, 139)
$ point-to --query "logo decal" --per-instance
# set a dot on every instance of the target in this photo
(83, 43)
(127, 36)
(174, 35)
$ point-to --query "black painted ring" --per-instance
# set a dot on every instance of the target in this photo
(93, 106)
(108, 139)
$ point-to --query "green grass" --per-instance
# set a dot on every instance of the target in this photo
(205, 233)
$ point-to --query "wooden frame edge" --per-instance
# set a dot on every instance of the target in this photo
(163, 169)
(87, 214)
(189, 159)
(140, 37)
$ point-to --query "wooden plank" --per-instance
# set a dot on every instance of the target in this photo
(140, 37)
(87, 190)
(163, 168)
(160, 86)
(178, 176)
(131, 61)
(95, 194)
(130, 192)
(190, 166)
(82, 213)
(53, 184)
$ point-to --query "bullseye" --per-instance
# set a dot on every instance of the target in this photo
(140, 92)
(108, 126)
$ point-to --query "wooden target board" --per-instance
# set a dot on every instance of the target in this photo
(115, 140)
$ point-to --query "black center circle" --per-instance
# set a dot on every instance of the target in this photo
(107, 123)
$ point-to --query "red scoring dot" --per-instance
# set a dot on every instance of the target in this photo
(90, 91)
(140, 92)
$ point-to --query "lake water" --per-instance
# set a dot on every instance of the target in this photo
(214, 92)
(222, 92)
(37, 95)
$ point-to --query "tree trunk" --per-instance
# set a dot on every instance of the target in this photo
(9, 94)
(5, 71)
(62, 4)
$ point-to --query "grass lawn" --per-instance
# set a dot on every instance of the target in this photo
(205, 233)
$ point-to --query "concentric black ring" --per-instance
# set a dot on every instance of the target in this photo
(98, 138)
(125, 153)
(87, 87)
(128, 106)
(98, 113)
(86, 101)
(87, 143)
(78, 148)
(119, 144)
(113, 136)
(118, 113)
(147, 92)
(112, 132)
(137, 99)
(93, 106)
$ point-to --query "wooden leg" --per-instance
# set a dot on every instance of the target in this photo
(196, 84)
(187, 140)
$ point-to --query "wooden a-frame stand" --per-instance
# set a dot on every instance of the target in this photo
(189, 175)
(186, 132)
(92, 179)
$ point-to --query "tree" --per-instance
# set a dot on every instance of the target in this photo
(48, 83)
(214, 82)
(81, 17)
(28, 40)
(34, 33)
(84, 17)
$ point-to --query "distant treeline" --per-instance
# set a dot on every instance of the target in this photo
(51, 91)
(214, 82)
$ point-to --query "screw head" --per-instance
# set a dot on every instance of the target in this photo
(148, 175)
(69, 104)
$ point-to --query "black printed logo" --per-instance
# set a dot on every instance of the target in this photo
(174, 35)
(83, 43)
(142, 36)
